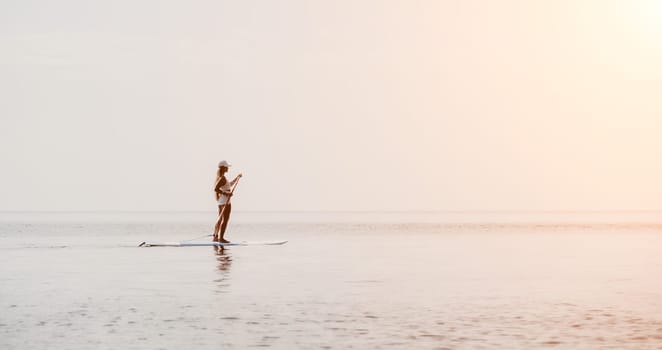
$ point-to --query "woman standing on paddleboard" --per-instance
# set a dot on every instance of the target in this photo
(223, 189)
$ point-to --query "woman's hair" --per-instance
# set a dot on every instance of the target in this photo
(219, 175)
(221, 178)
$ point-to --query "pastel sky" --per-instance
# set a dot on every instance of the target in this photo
(331, 105)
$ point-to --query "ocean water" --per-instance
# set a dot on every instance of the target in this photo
(343, 281)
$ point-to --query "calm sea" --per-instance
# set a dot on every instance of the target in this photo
(490, 280)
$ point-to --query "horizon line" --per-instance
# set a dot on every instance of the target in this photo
(354, 211)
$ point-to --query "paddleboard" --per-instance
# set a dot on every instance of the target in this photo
(208, 244)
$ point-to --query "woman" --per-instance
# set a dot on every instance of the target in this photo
(223, 190)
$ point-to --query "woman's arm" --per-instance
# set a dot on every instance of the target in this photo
(219, 183)
(217, 188)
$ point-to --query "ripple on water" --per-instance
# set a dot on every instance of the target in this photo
(229, 318)
(552, 342)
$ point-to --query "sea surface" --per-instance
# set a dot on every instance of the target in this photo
(426, 280)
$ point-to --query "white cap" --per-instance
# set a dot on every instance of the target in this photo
(224, 164)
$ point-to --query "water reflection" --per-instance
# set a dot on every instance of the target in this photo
(224, 261)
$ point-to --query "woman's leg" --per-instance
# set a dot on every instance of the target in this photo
(225, 220)
(219, 221)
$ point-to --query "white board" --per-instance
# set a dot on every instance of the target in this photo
(208, 244)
